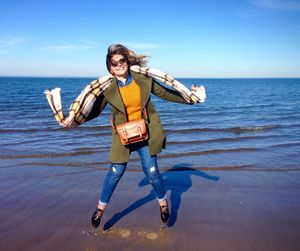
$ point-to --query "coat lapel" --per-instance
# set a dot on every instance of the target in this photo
(113, 96)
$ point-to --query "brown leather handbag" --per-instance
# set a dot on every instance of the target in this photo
(132, 131)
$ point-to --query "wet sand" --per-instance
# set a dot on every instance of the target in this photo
(49, 208)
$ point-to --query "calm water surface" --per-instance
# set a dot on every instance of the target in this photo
(245, 124)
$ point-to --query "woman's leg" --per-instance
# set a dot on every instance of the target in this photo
(150, 168)
(111, 180)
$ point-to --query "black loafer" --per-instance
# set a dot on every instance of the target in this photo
(96, 218)
(164, 213)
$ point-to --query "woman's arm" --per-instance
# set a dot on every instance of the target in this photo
(166, 93)
(98, 107)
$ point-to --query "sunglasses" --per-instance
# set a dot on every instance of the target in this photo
(121, 62)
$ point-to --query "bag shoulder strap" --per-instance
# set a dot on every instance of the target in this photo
(146, 115)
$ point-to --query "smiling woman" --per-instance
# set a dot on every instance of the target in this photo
(129, 96)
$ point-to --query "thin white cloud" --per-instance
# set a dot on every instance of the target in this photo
(141, 46)
(83, 45)
(66, 47)
(9, 42)
(88, 42)
(293, 5)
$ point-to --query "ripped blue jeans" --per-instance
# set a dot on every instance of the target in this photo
(150, 168)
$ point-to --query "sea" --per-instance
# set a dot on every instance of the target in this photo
(244, 125)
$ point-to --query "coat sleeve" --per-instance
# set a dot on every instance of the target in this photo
(98, 107)
(167, 93)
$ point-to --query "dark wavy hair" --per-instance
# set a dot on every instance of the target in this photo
(131, 57)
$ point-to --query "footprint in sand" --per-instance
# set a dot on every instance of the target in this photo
(124, 233)
(151, 236)
(91, 232)
(148, 235)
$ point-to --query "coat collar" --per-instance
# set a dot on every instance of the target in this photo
(113, 96)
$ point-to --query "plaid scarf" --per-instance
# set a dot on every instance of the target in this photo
(83, 104)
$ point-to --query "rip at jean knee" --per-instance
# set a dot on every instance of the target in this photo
(114, 169)
(152, 169)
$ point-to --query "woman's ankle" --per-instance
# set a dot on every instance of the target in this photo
(101, 206)
(163, 203)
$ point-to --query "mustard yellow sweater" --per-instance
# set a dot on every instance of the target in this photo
(131, 96)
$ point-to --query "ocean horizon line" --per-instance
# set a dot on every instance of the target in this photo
(180, 77)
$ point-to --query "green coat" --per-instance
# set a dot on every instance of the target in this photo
(157, 139)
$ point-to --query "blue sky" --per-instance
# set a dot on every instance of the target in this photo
(191, 38)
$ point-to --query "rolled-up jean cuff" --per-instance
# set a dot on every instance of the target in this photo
(100, 203)
(162, 199)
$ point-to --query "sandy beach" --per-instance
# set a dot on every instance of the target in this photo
(49, 208)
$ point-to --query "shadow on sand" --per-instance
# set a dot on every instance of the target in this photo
(178, 180)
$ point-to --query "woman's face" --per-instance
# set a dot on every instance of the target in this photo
(119, 66)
